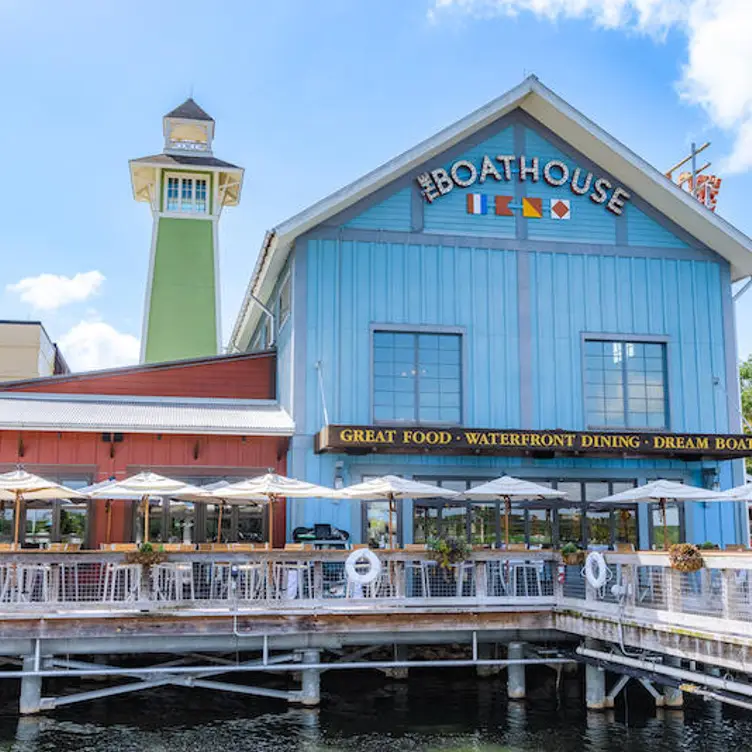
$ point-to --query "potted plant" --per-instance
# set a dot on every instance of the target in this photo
(572, 554)
(146, 555)
(448, 551)
(685, 557)
(708, 546)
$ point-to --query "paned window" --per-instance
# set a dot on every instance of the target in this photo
(417, 377)
(186, 195)
(625, 384)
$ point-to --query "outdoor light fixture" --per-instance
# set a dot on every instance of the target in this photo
(710, 478)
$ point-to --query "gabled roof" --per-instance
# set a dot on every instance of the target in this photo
(189, 110)
(552, 111)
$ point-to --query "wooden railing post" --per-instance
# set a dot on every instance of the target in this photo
(672, 583)
(631, 581)
(728, 594)
(481, 581)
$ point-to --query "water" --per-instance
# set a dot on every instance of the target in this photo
(444, 711)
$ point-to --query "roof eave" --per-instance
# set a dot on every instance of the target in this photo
(549, 109)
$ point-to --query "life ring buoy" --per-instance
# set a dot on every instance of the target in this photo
(360, 556)
(596, 570)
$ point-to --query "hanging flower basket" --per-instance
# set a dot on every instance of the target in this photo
(685, 557)
(448, 551)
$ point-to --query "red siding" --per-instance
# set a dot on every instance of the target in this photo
(246, 376)
(86, 454)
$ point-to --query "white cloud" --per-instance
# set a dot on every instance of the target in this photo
(48, 292)
(717, 74)
(91, 345)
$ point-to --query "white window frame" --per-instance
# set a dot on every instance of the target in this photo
(181, 177)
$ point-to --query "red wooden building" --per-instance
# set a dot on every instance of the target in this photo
(200, 420)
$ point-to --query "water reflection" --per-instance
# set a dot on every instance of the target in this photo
(366, 713)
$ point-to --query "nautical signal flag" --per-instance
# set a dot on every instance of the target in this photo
(560, 208)
(502, 206)
(477, 203)
(532, 208)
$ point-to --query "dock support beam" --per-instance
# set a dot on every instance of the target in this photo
(516, 672)
(595, 682)
(310, 694)
(672, 697)
(31, 689)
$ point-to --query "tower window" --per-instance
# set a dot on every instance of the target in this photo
(186, 195)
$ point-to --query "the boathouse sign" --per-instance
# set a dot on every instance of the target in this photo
(405, 440)
(499, 169)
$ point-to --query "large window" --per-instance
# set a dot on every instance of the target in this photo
(625, 384)
(580, 519)
(187, 195)
(417, 377)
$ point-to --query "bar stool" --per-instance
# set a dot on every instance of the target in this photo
(251, 584)
(34, 582)
(122, 579)
(290, 579)
(171, 579)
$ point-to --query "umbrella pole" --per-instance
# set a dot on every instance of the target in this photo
(271, 521)
(146, 519)
(219, 523)
(662, 504)
(507, 513)
(17, 520)
(108, 510)
(391, 525)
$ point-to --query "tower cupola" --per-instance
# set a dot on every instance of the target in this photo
(188, 130)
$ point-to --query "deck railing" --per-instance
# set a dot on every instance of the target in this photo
(644, 583)
(640, 583)
(42, 581)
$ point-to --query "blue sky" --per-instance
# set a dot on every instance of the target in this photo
(307, 96)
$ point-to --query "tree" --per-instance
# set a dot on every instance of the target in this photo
(745, 381)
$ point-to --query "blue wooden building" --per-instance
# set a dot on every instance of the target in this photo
(520, 294)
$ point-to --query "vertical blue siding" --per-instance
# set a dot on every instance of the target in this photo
(590, 222)
(355, 284)
(448, 214)
(393, 213)
(572, 294)
(643, 230)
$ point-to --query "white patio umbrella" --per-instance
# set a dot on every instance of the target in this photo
(392, 487)
(661, 491)
(144, 485)
(20, 486)
(270, 487)
(508, 488)
(739, 493)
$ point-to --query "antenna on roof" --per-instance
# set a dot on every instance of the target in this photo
(704, 188)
